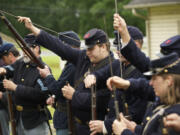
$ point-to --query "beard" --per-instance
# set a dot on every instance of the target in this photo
(26, 59)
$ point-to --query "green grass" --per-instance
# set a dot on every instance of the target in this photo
(53, 62)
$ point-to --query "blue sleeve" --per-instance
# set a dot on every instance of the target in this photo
(128, 132)
(54, 86)
(138, 131)
(57, 46)
(137, 58)
(141, 87)
(81, 99)
(104, 73)
(108, 124)
(33, 94)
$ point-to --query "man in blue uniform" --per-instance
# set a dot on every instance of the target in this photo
(136, 105)
(94, 58)
(67, 75)
(28, 92)
(9, 54)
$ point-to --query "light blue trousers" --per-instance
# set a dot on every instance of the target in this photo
(41, 129)
(4, 121)
(61, 131)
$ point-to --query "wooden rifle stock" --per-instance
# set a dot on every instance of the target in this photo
(116, 105)
(93, 102)
(70, 117)
(11, 113)
(69, 114)
(23, 45)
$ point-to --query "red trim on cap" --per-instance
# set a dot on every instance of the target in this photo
(87, 35)
(168, 41)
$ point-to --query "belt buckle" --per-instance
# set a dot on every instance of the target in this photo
(78, 120)
(19, 108)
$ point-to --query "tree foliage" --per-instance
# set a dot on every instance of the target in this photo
(62, 15)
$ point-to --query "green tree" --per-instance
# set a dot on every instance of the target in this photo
(62, 15)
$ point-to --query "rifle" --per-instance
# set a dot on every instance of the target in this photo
(70, 117)
(23, 44)
(11, 114)
(116, 105)
(29, 53)
(69, 114)
(93, 102)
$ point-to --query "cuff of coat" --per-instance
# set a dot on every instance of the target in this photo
(127, 132)
(132, 85)
(48, 79)
(128, 47)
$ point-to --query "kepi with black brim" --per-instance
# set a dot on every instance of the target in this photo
(169, 64)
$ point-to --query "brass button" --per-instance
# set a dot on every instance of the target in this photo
(165, 70)
(22, 80)
(164, 131)
(112, 96)
(19, 108)
(27, 66)
(148, 118)
(108, 109)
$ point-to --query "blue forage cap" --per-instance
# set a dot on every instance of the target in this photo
(1, 41)
(167, 64)
(30, 39)
(4, 49)
(95, 36)
(134, 32)
(170, 45)
(70, 37)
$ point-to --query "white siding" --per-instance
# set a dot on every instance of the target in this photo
(163, 23)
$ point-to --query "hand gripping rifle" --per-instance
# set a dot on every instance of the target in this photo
(29, 53)
(70, 115)
(23, 44)
(11, 113)
(93, 102)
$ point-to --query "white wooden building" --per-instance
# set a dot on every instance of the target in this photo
(162, 21)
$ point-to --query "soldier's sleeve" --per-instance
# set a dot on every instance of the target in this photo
(55, 86)
(9, 71)
(34, 94)
(141, 88)
(128, 132)
(108, 124)
(81, 99)
(136, 57)
(57, 46)
(104, 73)
(138, 131)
